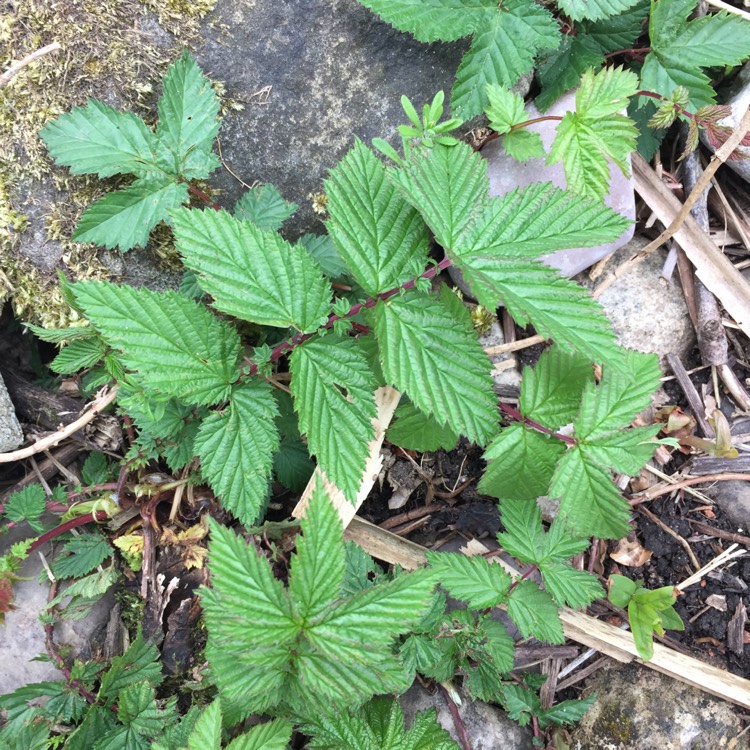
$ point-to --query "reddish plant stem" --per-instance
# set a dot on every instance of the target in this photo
(100, 515)
(534, 121)
(637, 52)
(518, 417)
(458, 722)
(107, 487)
(523, 577)
(287, 346)
(198, 193)
(659, 97)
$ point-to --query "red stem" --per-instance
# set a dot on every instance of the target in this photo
(198, 193)
(543, 118)
(100, 515)
(458, 722)
(518, 417)
(630, 51)
(659, 97)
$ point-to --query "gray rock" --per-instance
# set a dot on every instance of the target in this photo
(733, 497)
(739, 102)
(488, 728)
(329, 71)
(646, 313)
(639, 709)
(505, 372)
(11, 435)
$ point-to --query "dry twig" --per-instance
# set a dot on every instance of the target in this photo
(6, 77)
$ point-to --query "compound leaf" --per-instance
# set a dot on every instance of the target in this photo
(476, 581)
(84, 553)
(438, 361)
(272, 735)
(124, 218)
(140, 663)
(594, 10)
(252, 274)
(625, 452)
(535, 613)
(523, 537)
(520, 463)
(502, 50)
(265, 207)
(236, 449)
(176, 345)
(435, 20)
(381, 238)
(188, 119)
(333, 387)
(570, 587)
(97, 139)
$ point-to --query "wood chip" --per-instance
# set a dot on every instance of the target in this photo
(736, 629)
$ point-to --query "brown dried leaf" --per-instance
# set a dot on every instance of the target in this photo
(630, 552)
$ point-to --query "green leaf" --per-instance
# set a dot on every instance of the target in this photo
(617, 32)
(251, 274)
(236, 449)
(272, 735)
(521, 462)
(498, 644)
(188, 119)
(570, 587)
(435, 20)
(27, 505)
(84, 553)
(621, 590)
(566, 712)
(523, 145)
(98, 723)
(206, 734)
(590, 503)
(85, 592)
(97, 139)
(476, 581)
(505, 108)
(558, 308)
(626, 452)
(137, 709)
(446, 184)
(620, 396)
(325, 254)
(292, 465)
(95, 469)
(265, 207)
(523, 537)
(262, 653)
(438, 361)
(380, 237)
(529, 222)
(535, 613)
(62, 335)
(317, 570)
(503, 49)
(333, 387)
(595, 132)
(551, 391)
(78, 355)
(175, 344)
(562, 70)
(644, 621)
(125, 217)
(414, 430)
(594, 10)
(140, 663)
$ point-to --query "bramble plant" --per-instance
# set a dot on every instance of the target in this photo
(195, 373)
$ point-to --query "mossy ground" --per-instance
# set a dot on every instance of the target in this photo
(113, 50)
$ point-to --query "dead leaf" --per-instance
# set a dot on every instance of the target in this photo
(717, 602)
(630, 552)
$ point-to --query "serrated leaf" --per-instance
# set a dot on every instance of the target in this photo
(562, 70)
(476, 581)
(499, 645)
(188, 119)
(620, 31)
(626, 452)
(272, 735)
(594, 10)
(27, 505)
(551, 391)
(523, 537)
(438, 362)
(505, 108)
(433, 20)
(99, 721)
(558, 308)
(503, 49)
(236, 449)
(62, 335)
(566, 712)
(265, 207)
(595, 132)
(78, 355)
(125, 218)
(541, 218)
(317, 570)
(333, 387)
(95, 469)
(325, 254)
(663, 73)
(446, 184)
(381, 238)
(570, 587)
(292, 465)
(620, 396)
(140, 663)
(590, 504)
(97, 139)
(535, 613)
(174, 344)
(251, 274)
(560, 544)
(414, 430)
(206, 734)
(520, 463)
(137, 709)
(84, 553)
(523, 145)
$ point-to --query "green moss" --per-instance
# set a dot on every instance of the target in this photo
(612, 724)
